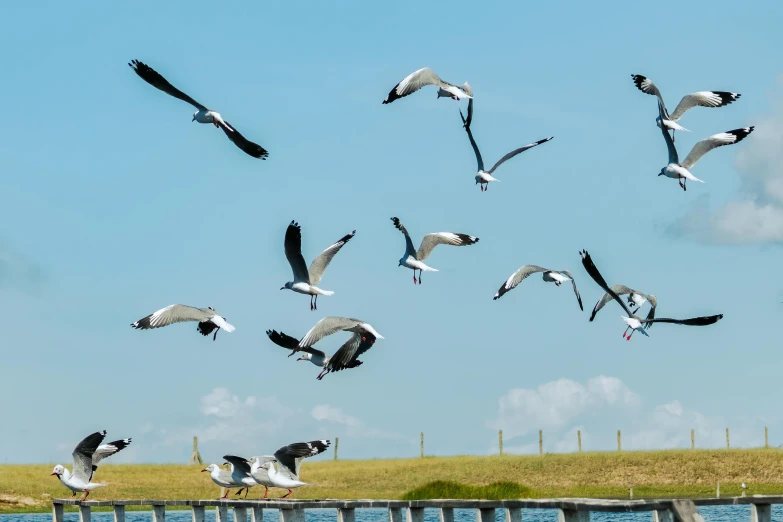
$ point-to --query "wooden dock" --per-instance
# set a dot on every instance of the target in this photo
(569, 509)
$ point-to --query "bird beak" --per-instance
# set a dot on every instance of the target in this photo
(52, 473)
(301, 359)
(282, 288)
(660, 173)
(203, 470)
(194, 119)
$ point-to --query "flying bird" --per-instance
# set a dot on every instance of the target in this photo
(331, 325)
(550, 276)
(635, 298)
(413, 259)
(86, 456)
(347, 356)
(484, 177)
(305, 280)
(202, 114)
(681, 170)
(696, 99)
(635, 323)
(208, 319)
(289, 461)
(416, 80)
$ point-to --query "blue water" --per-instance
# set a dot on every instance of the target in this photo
(710, 513)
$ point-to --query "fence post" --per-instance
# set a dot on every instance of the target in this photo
(500, 441)
(336, 445)
(195, 458)
(693, 439)
(579, 439)
(619, 442)
(728, 444)
(540, 442)
(766, 437)
(717, 491)
(421, 444)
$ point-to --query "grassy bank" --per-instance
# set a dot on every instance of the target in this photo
(653, 474)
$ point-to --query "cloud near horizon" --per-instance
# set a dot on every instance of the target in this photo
(755, 215)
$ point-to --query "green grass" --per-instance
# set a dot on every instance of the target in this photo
(655, 474)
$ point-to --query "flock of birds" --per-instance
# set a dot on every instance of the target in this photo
(282, 469)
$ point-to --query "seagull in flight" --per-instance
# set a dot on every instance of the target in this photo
(208, 319)
(484, 177)
(86, 456)
(416, 80)
(305, 280)
(635, 323)
(550, 276)
(635, 298)
(696, 99)
(413, 259)
(289, 462)
(346, 357)
(681, 170)
(202, 114)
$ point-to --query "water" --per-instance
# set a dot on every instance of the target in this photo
(710, 513)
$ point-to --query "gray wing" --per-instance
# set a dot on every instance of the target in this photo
(646, 85)
(466, 123)
(323, 259)
(358, 344)
(430, 241)
(409, 250)
(328, 326)
(293, 252)
(240, 464)
(573, 283)
(516, 278)
(673, 156)
(592, 270)
(290, 457)
(175, 313)
(262, 476)
(151, 76)
(713, 142)
(517, 151)
(412, 83)
(83, 453)
(107, 450)
(618, 290)
(704, 99)
(291, 343)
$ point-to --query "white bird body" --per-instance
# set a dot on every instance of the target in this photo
(555, 277)
(221, 477)
(307, 289)
(637, 299)
(280, 480)
(670, 124)
(207, 116)
(674, 171)
(74, 484)
(414, 264)
(485, 177)
(454, 92)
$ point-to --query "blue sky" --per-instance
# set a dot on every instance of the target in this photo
(115, 205)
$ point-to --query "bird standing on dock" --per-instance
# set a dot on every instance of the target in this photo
(222, 478)
(289, 461)
(86, 456)
(240, 472)
(306, 279)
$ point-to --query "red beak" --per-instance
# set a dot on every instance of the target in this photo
(203, 470)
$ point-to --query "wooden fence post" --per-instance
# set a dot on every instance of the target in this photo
(619, 442)
(540, 442)
(579, 439)
(500, 441)
(728, 444)
(693, 439)
(421, 444)
(766, 437)
(195, 458)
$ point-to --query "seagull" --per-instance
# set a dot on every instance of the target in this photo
(484, 177)
(697, 99)
(240, 472)
(413, 258)
(550, 276)
(634, 323)
(208, 319)
(330, 325)
(223, 478)
(202, 115)
(416, 80)
(635, 298)
(86, 456)
(347, 356)
(681, 171)
(289, 460)
(261, 476)
(305, 280)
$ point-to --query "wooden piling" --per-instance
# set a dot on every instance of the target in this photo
(693, 439)
(336, 445)
(485, 515)
(446, 514)
(119, 514)
(195, 458)
(728, 444)
(198, 513)
(346, 515)
(540, 442)
(500, 441)
(579, 440)
(760, 513)
(421, 444)
(619, 442)
(766, 437)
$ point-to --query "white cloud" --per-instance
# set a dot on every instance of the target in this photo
(553, 405)
(755, 215)
(352, 426)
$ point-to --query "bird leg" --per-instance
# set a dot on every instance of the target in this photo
(414, 276)
(246, 492)
(226, 495)
(215, 336)
(315, 302)
(311, 304)
(323, 372)
(266, 492)
(287, 494)
(673, 135)
(239, 492)
(86, 494)
(74, 494)
(420, 273)
(626, 331)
